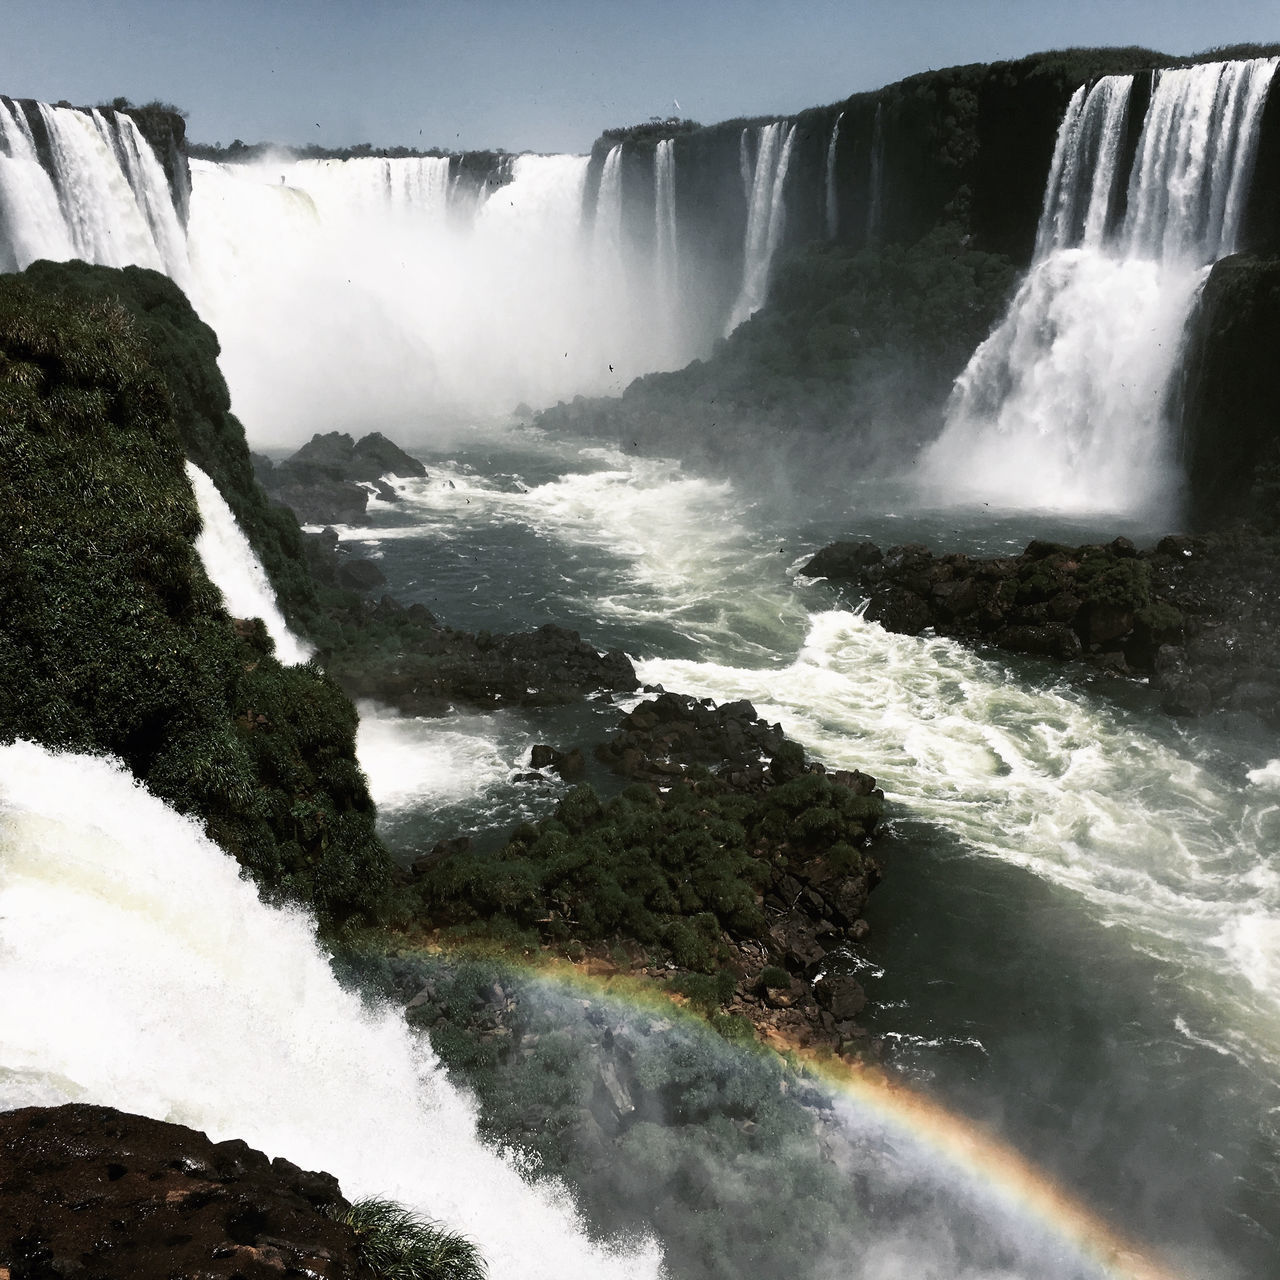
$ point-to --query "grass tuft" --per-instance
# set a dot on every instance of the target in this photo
(397, 1244)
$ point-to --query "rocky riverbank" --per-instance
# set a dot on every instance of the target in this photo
(1195, 617)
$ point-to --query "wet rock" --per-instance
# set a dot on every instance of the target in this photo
(325, 481)
(1204, 605)
(359, 575)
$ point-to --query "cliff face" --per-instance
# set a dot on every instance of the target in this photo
(115, 641)
(1231, 413)
(967, 147)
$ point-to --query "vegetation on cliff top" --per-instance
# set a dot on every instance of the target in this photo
(116, 642)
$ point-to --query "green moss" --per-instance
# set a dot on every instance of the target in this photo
(1122, 582)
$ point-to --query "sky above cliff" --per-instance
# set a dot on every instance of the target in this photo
(545, 75)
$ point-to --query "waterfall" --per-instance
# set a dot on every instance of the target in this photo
(326, 278)
(1067, 404)
(139, 970)
(234, 569)
(765, 216)
(29, 209)
(833, 211)
(666, 250)
(323, 279)
(606, 228)
(104, 197)
(875, 181)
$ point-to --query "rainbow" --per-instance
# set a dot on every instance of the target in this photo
(1016, 1184)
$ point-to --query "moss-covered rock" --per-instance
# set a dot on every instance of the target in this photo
(184, 351)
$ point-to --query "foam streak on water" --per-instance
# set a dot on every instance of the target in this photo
(138, 970)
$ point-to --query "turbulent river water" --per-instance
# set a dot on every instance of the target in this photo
(1078, 937)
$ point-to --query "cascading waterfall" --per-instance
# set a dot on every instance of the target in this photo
(666, 246)
(233, 568)
(29, 210)
(664, 217)
(765, 216)
(319, 291)
(833, 208)
(139, 970)
(106, 199)
(324, 278)
(606, 227)
(1067, 404)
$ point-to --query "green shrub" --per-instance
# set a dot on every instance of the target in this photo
(775, 977)
(396, 1244)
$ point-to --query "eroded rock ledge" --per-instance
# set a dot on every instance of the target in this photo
(91, 1193)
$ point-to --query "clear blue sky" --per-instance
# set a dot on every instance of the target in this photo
(542, 75)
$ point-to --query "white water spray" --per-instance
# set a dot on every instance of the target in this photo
(1067, 405)
(324, 280)
(235, 570)
(833, 208)
(139, 971)
(765, 216)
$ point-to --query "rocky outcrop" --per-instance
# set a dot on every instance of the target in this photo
(329, 480)
(423, 668)
(1193, 616)
(729, 871)
(90, 1193)
(114, 641)
(1231, 414)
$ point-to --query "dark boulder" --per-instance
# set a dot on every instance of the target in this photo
(359, 575)
(90, 1192)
